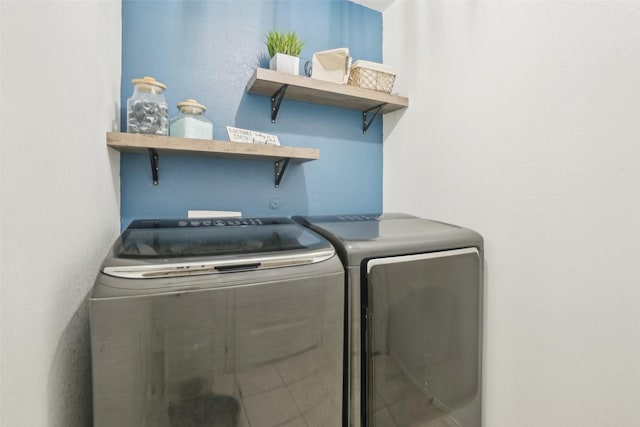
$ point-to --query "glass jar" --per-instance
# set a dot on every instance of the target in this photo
(147, 110)
(191, 121)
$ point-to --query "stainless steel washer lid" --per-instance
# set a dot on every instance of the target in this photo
(364, 236)
(150, 249)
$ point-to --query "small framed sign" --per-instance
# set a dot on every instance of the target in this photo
(251, 137)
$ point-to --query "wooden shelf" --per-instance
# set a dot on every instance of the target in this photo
(298, 88)
(155, 145)
(134, 142)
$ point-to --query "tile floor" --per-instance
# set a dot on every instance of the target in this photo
(304, 390)
(399, 403)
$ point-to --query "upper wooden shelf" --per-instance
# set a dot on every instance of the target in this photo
(298, 88)
(154, 144)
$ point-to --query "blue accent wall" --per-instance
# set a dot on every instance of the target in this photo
(208, 50)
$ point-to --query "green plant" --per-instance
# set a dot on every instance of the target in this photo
(281, 42)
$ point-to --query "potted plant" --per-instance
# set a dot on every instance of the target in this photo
(284, 49)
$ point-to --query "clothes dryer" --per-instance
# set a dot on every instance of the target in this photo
(218, 322)
(415, 310)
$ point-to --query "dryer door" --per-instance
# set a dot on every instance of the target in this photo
(422, 315)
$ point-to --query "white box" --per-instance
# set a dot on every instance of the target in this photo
(331, 65)
(196, 214)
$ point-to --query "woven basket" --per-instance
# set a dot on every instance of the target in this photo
(371, 75)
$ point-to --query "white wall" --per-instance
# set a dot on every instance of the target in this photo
(60, 199)
(524, 124)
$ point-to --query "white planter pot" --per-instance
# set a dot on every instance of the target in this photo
(285, 64)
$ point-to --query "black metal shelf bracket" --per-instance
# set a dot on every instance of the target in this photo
(280, 167)
(376, 111)
(276, 100)
(153, 156)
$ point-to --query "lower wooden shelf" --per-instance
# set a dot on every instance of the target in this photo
(156, 145)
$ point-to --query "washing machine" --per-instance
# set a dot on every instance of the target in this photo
(219, 322)
(415, 309)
